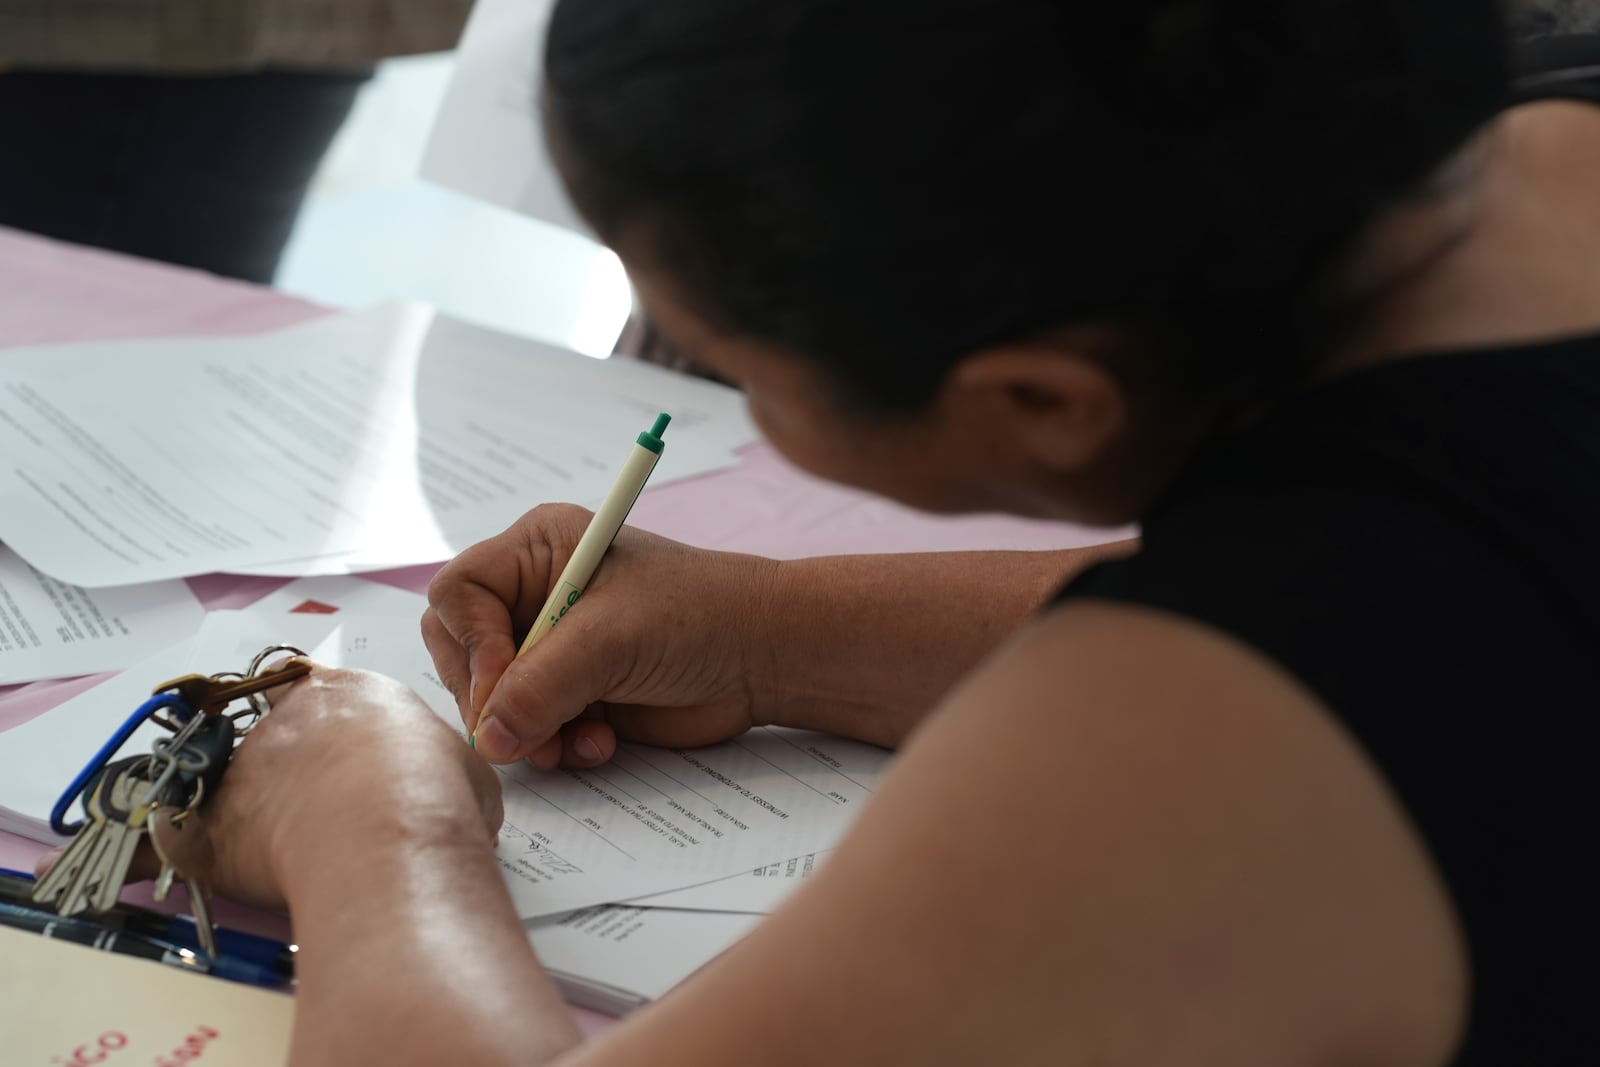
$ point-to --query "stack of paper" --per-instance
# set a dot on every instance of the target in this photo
(614, 958)
(51, 629)
(697, 842)
(362, 442)
(352, 443)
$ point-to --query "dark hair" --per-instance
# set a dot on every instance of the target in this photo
(883, 186)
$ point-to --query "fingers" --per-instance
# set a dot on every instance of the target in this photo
(468, 633)
(587, 743)
(546, 755)
(574, 665)
(685, 727)
(487, 594)
(183, 844)
(42, 865)
(354, 743)
(451, 663)
(192, 850)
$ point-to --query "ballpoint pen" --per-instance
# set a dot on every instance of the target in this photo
(132, 930)
(597, 538)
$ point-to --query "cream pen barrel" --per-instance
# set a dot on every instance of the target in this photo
(602, 530)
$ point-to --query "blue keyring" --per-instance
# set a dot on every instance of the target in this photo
(58, 814)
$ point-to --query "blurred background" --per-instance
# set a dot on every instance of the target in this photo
(372, 230)
(187, 130)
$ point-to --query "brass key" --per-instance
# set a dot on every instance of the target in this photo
(209, 695)
(176, 777)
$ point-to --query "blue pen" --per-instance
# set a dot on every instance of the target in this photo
(241, 957)
(253, 948)
(128, 943)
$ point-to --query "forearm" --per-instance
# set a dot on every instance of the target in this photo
(864, 646)
(430, 917)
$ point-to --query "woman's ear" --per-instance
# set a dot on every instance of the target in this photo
(1053, 405)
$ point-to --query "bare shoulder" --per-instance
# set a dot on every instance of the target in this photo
(1125, 839)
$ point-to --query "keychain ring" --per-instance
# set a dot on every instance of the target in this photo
(260, 706)
(261, 657)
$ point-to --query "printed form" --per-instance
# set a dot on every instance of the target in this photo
(756, 892)
(50, 629)
(763, 889)
(614, 958)
(658, 819)
(653, 820)
(354, 442)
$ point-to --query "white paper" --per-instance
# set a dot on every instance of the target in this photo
(614, 958)
(766, 887)
(653, 820)
(39, 758)
(488, 140)
(353, 596)
(650, 821)
(757, 892)
(355, 442)
(49, 629)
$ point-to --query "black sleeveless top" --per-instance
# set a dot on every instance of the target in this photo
(1419, 544)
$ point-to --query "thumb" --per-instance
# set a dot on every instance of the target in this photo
(182, 843)
(574, 665)
(44, 863)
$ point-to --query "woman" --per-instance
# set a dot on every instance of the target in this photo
(1295, 784)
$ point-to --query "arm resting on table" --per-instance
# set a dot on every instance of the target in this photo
(870, 644)
(1126, 840)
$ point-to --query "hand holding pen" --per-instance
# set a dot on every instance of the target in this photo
(662, 647)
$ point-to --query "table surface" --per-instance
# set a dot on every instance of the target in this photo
(60, 293)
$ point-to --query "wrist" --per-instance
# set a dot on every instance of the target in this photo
(777, 649)
(382, 827)
(814, 674)
(746, 661)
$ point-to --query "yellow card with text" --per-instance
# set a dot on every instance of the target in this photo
(65, 1005)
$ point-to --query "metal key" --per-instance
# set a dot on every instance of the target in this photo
(86, 842)
(199, 895)
(104, 873)
(79, 871)
(213, 742)
(178, 774)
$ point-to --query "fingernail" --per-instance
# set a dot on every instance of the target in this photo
(586, 750)
(46, 861)
(472, 696)
(495, 743)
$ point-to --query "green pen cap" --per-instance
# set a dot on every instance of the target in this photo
(651, 438)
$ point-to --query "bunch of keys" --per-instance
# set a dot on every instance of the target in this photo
(120, 798)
